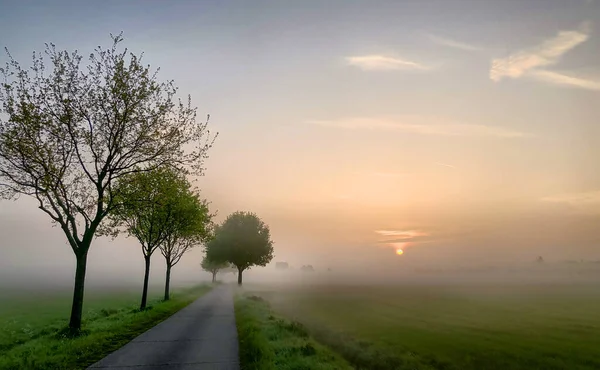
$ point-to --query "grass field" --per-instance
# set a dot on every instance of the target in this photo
(450, 327)
(268, 342)
(31, 325)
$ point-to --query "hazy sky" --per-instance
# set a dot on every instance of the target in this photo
(457, 130)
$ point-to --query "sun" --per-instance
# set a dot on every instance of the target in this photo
(399, 252)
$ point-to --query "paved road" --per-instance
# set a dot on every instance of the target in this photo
(201, 336)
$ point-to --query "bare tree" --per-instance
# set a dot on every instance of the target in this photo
(66, 135)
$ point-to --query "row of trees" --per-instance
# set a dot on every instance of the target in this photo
(103, 146)
(160, 209)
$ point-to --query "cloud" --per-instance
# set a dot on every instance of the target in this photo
(564, 80)
(422, 125)
(453, 43)
(383, 63)
(444, 164)
(589, 197)
(547, 53)
(401, 234)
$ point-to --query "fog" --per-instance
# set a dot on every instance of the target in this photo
(354, 131)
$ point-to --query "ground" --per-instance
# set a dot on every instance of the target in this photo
(510, 326)
(32, 324)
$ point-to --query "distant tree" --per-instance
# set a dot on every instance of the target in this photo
(188, 225)
(148, 204)
(307, 268)
(243, 240)
(68, 133)
(540, 259)
(281, 265)
(213, 267)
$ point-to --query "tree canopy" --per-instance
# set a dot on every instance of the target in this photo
(157, 206)
(213, 266)
(243, 240)
(67, 133)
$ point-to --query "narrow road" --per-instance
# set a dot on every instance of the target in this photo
(203, 336)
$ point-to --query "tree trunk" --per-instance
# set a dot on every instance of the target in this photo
(214, 273)
(240, 276)
(145, 289)
(77, 307)
(167, 282)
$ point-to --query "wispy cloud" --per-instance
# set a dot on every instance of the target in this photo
(453, 43)
(564, 80)
(383, 63)
(402, 234)
(423, 125)
(589, 197)
(547, 53)
(401, 239)
(445, 165)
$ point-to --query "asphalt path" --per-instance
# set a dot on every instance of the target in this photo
(203, 336)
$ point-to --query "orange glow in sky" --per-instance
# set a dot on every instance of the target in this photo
(399, 252)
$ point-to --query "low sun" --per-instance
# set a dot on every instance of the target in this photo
(399, 252)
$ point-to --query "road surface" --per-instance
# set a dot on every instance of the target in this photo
(202, 336)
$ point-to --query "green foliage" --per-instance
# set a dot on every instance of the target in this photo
(30, 332)
(450, 327)
(213, 266)
(67, 134)
(150, 205)
(188, 225)
(243, 239)
(269, 342)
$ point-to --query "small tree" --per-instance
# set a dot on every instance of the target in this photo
(213, 267)
(243, 240)
(148, 202)
(188, 226)
(66, 136)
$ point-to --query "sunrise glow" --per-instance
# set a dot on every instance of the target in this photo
(399, 252)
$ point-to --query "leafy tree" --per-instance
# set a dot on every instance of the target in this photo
(146, 205)
(68, 133)
(243, 240)
(188, 226)
(213, 267)
(282, 265)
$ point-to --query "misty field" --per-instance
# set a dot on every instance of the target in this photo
(449, 326)
(33, 323)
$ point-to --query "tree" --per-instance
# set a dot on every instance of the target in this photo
(243, 240)
(213, 267)
(146, 205)
(282, 265)
(66, 136)
(307, 268)
(188, 226)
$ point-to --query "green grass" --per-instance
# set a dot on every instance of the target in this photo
(269, 342)
(450, 327)
(31, 327)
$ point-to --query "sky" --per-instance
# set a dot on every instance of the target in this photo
(462, 132)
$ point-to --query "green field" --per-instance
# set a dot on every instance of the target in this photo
(450, 326)
(32, 323)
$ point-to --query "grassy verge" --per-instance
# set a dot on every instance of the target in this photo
(105, 330)
(450, 327)
(269, 342)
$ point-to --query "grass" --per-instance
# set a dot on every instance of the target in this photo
(270, 342)
(31, 331)
(450, 327)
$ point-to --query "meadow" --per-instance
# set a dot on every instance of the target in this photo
(33, 324)
(449, 326)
